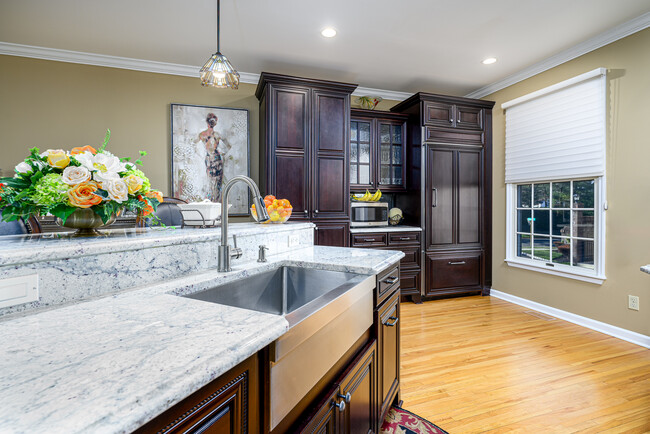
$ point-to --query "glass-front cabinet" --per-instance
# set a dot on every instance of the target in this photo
(377, 151)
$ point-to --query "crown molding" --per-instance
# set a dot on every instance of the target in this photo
(614, 34)
(94, 59)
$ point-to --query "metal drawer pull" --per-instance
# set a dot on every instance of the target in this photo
(369, 240)
(391, 324)
(391, 280)
(405, 238)
(457, 263)
(347, 397)
(434, 197)
(340, 405)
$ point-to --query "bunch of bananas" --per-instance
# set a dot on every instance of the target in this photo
(367, 197)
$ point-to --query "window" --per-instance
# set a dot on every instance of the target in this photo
(555, 179)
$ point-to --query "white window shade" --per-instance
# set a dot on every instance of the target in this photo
(558, 132)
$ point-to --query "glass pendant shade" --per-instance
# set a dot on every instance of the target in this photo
(219, 72)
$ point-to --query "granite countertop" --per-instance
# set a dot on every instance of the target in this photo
(111, 364)
(398, 228)
(21, 249)
(646, 268)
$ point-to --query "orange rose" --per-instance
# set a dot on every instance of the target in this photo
(83, 149)
(154, 194)
(148, 209)
(83, 195)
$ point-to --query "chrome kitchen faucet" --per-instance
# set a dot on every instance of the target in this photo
(225, 253)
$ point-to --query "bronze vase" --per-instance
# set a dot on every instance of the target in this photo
(86, 222)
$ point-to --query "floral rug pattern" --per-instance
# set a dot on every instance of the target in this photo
(400, 421)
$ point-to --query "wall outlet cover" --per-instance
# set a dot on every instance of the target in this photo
(18, 290)
(294, 240)
(633, 302)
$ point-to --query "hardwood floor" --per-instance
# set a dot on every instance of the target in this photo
(480, 364)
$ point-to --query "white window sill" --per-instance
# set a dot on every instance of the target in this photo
(543, 268)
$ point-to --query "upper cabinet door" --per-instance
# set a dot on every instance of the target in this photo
(469, 117)
(438, 113)
(331, 121)
(362, 155)
(470, 203)
(291, 126)
(440, 201)
(391, 153)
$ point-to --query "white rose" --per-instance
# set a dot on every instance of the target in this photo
(75, 175)
(117, 190)
(102, 177)
(23, 168)
(100, 162)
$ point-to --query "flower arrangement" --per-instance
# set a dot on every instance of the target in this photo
(60, 182)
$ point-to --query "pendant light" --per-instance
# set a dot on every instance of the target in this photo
(218, 71)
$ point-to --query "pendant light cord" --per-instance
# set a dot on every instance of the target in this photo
(218, 26)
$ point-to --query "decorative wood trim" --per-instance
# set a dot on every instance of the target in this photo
(612, 35)
(95, 59)
(608, 329)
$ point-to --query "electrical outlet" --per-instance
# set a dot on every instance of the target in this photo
(633, 302)
(294, 240)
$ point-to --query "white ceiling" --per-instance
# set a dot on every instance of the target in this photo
(408, 45)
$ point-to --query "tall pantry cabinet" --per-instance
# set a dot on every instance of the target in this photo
(304, 150)
(450, 148)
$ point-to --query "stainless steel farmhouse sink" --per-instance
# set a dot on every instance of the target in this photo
(327, 311)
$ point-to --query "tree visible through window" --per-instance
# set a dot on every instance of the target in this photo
(555, 222)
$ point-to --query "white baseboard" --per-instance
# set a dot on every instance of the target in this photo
(608, 329)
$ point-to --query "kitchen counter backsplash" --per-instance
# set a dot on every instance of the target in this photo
(73, 269)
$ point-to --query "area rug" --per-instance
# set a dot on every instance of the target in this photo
(400, 421)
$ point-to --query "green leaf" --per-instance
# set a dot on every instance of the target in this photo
(138, 162)
(17, 183)
(107, 137)
(143, 153)
(62, 211)
(103, 212)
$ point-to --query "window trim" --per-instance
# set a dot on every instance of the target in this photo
(597, 275)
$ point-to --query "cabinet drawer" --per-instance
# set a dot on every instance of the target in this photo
(368, 240)
(436, 113)
(411, 257)
(454, 272)
(409, 282)
(403, 238)
(387, 282)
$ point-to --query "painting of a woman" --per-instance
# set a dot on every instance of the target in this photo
(215, 148)
(209, 147)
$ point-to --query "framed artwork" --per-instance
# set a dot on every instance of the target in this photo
(210, 145)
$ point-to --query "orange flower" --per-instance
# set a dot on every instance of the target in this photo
(83, 195)
(154, 194)
(83, 149)
(148, 209)
(1, 185)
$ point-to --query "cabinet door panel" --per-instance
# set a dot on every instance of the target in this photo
(292, 118)
(457, 271)
(335, 234)
(439, 114)
(331, 195)
(410, 282)
(441, 213)
(324, 419)
(360, 415)
(388, 322)
(469, 197)
(291, 182)
(469, 117)
(331, 113)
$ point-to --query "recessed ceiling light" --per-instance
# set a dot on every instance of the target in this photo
(328, 32)
(489, 61)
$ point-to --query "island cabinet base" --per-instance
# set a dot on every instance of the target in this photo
(229, 404)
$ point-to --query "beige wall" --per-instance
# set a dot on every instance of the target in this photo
(62, 105)
(628, 192)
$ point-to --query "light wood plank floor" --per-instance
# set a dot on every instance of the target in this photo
(480, 364)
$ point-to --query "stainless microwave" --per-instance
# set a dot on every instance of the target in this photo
(368, 214)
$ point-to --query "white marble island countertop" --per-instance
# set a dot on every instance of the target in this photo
(111, 364)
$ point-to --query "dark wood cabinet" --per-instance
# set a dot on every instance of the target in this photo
(388, 340)
(304, 150)
(325, 419)
(359, 392)
(454, 137)
(230, 404)
(377, 151)
(410, 264)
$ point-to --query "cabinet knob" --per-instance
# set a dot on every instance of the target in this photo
(340, 405)
(315, 211)
(347, 397)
